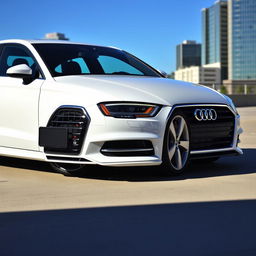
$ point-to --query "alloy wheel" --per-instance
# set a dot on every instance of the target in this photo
(178, 143)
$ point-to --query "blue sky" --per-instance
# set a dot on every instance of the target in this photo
(145, 28)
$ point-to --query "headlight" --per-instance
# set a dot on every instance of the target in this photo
(128, 110)
(231, 104)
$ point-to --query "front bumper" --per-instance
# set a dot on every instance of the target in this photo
(103, 129)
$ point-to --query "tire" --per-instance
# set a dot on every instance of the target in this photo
(176, 145)
(66, 169)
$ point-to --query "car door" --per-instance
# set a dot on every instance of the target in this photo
(18, 100)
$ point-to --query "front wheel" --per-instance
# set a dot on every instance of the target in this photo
(66, 169)
(176, 145)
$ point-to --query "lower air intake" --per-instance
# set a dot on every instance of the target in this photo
(128, 148)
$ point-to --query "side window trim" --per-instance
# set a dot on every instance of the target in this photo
(30, 54)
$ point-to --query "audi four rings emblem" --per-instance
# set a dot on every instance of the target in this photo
(205, 114)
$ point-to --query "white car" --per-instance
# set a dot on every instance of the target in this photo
(73, 104)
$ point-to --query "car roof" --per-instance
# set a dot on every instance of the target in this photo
(47, 41)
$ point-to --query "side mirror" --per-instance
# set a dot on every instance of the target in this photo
(164, 74)
(20, 71)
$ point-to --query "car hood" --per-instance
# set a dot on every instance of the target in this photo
(140, 89)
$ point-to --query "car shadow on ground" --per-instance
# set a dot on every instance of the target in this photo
(201, 229)
(244, 164)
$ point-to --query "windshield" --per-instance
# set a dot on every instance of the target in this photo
(75, 59)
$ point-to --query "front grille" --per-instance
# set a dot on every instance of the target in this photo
(205, 135)
(76, 121)
(128, 148)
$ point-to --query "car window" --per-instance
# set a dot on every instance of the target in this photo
(16, 60)
(74, 59)
(112, 65)
(77, 63)
(12, 56)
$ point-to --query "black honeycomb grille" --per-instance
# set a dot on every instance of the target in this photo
(206, 135)
(76, 121)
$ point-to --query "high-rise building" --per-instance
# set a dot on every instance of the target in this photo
(56, 36)
(242, 42)
(215, 36)
(188, 54)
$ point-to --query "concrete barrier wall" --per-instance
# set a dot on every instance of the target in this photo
(243, 100)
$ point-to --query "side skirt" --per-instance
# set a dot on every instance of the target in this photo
(21, 153)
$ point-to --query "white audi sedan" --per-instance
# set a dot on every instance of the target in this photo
(73, 104)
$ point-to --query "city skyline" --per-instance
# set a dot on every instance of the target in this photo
(228, 44)
(148, 30)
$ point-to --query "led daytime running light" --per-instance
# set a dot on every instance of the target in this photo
(128, 110)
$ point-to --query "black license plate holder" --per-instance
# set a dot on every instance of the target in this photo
(53, 137)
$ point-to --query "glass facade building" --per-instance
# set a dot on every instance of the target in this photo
(215, 36)
(188, 54)
(242, 40)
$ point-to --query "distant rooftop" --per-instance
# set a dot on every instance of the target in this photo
(56, 36)
(189, 42)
